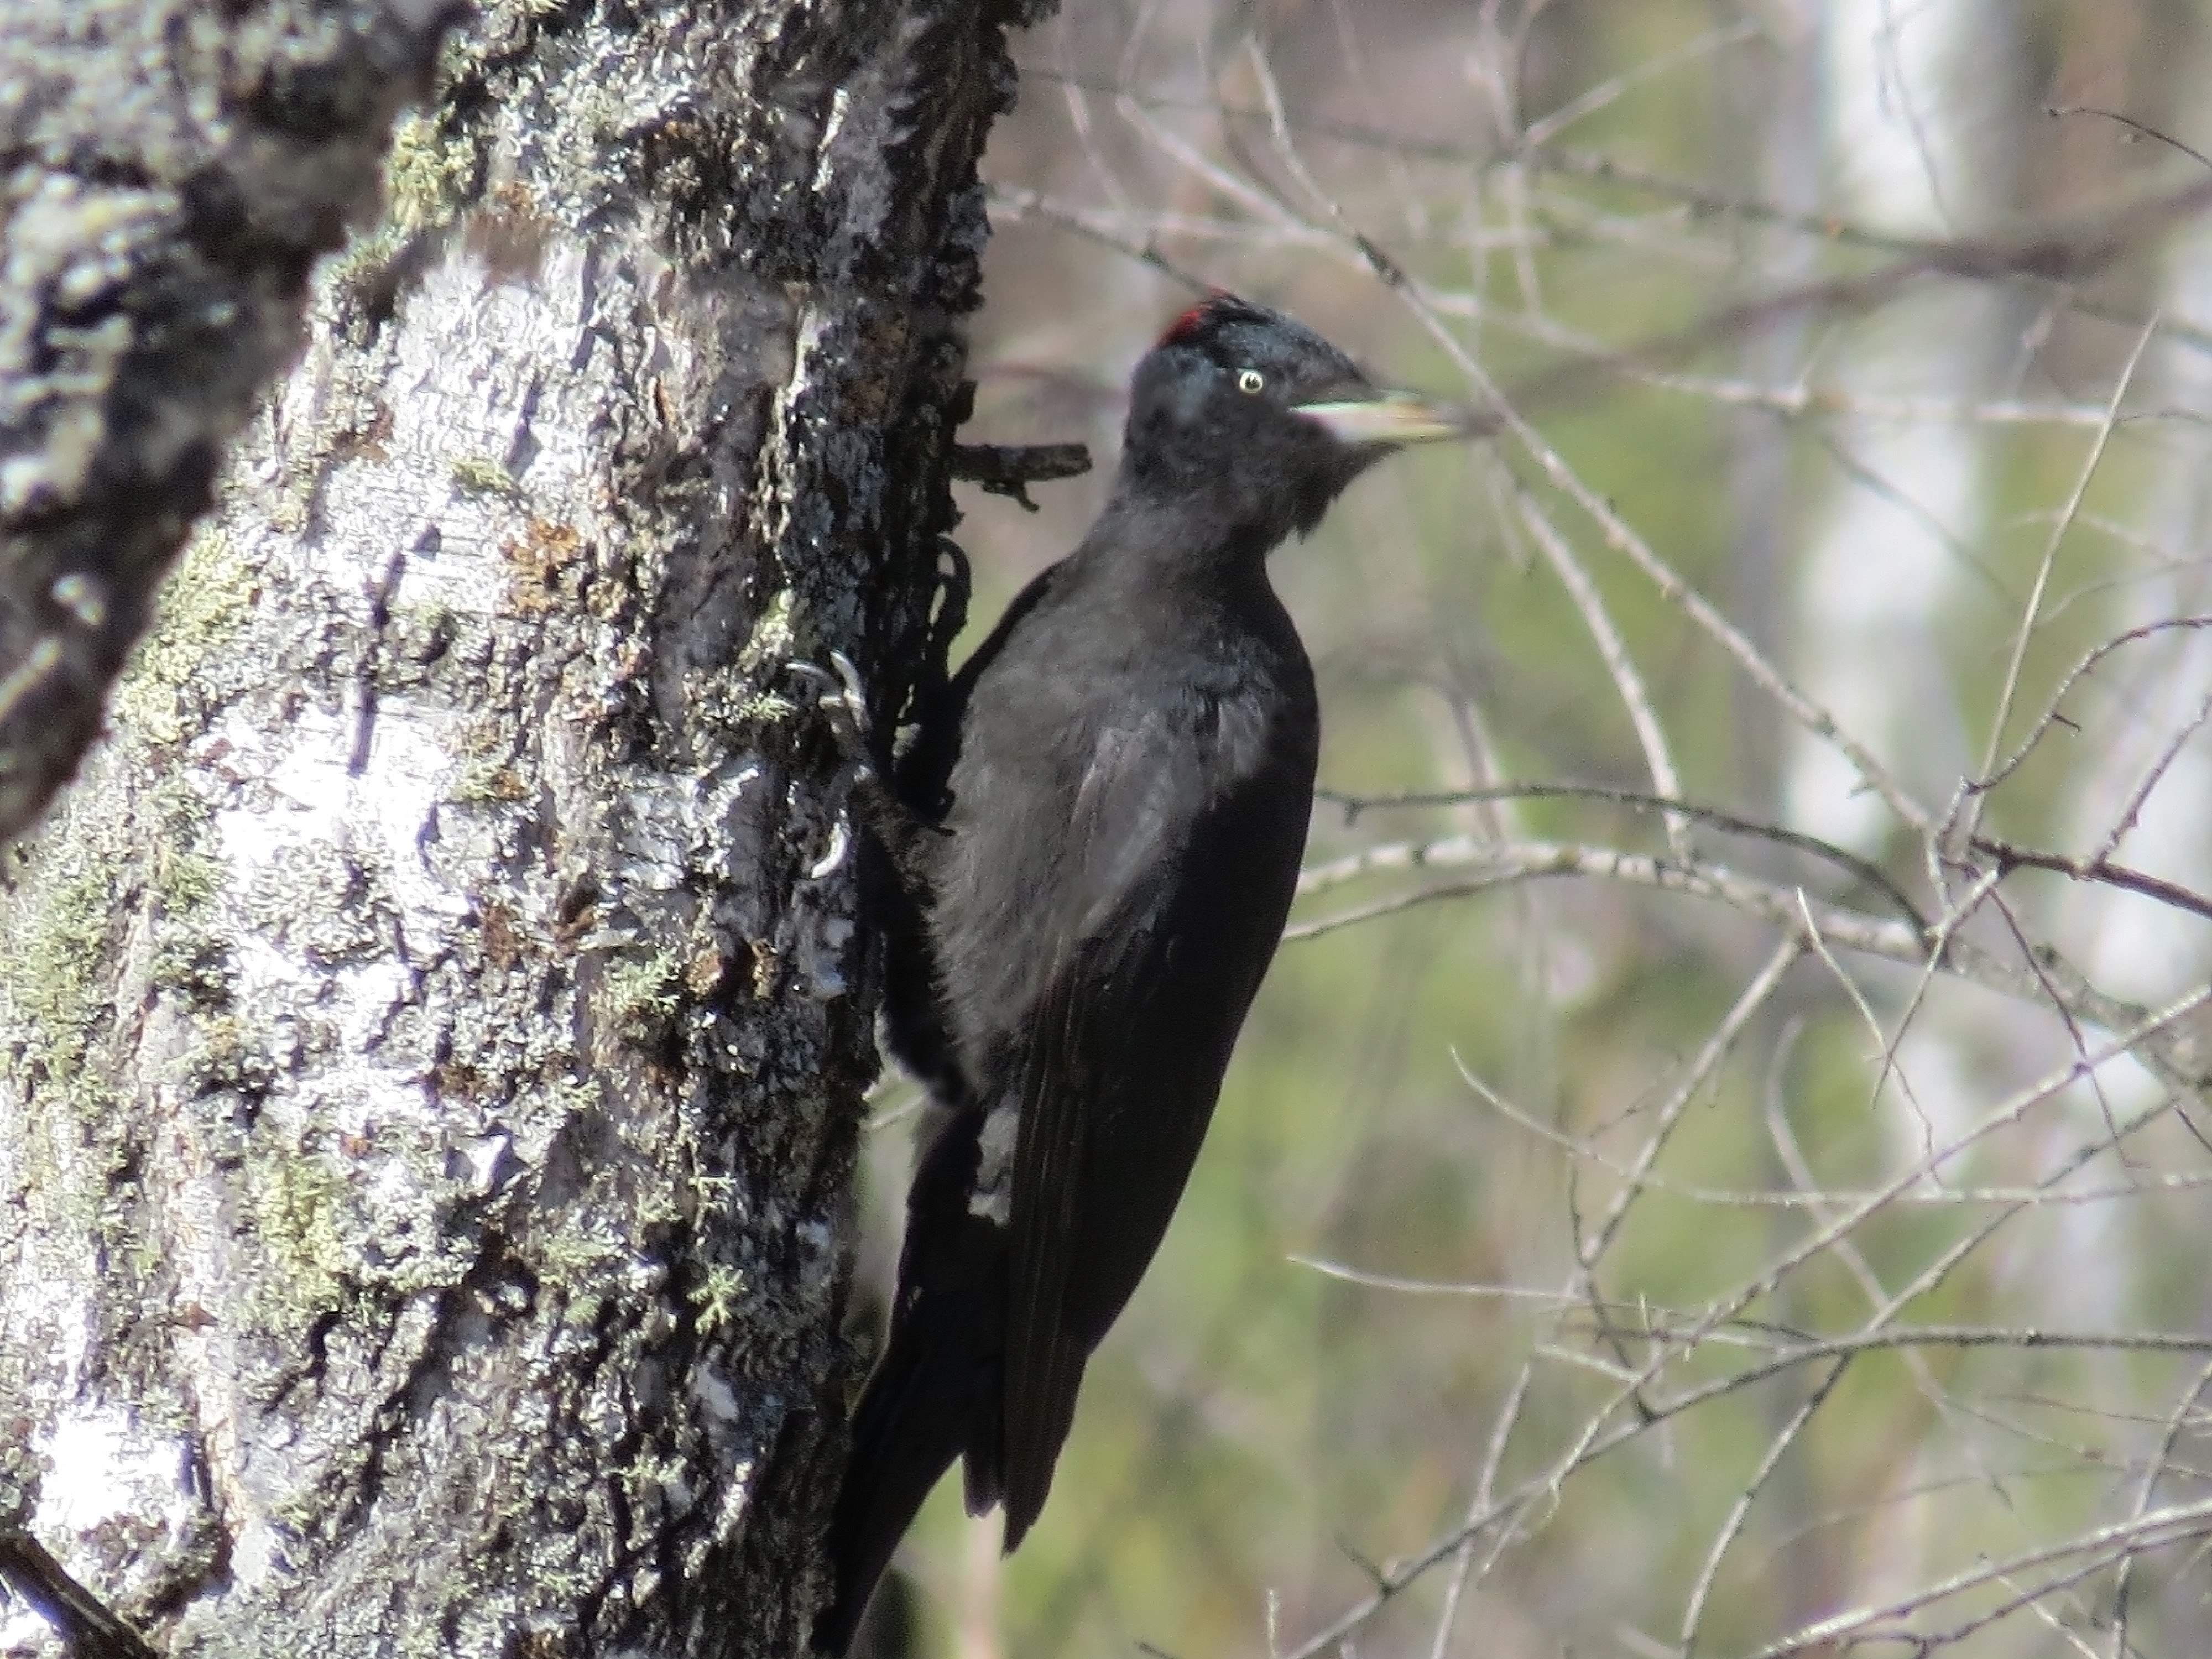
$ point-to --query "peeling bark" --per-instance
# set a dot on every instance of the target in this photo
(432, 1031)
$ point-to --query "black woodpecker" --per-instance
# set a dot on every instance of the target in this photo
(1106, 810)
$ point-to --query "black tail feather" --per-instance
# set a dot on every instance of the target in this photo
(936, 1393)
(911, 1423)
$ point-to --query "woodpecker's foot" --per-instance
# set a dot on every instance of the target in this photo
(880, 814)
(844, 702)
(956, 585)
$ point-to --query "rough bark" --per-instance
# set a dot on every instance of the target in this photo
(170, 176)
(432, 1030)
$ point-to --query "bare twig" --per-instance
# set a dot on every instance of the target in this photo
(1498, 865)
(1861, 870)
(2159, 1529)
(2032, 613)
(29, 1568)
(1613, 650)
(1009, 469)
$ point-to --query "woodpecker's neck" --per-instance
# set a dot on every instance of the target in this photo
(1218, 507)
(1176, 541)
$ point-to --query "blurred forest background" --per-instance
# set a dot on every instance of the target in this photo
(1727, 1244)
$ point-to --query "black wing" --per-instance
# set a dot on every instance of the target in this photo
(1188, 828)
(896, 870)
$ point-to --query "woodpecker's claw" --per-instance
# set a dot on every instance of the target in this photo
(844, 699)
(854, 693)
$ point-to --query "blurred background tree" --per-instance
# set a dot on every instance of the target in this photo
(1780, 1231)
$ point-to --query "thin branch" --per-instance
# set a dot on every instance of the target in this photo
(2156, 1531)
(2144, 1492)
(1009, 469)
(29, 1568)
(1860, 869)
(2140, 129)
(2032, 612)
(2130, 812)
(1612, 650)
(1754, 997)
(1693, 1613)
(1498, 865)
(2010, 855)
(1803, 1197)
(1611, 91)
(2088, 664)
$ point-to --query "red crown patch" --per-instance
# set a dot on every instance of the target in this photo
(1197, 317)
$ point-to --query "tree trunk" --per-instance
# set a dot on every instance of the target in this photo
(169, 180)
(432, 1028)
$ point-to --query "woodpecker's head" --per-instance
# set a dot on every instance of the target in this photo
(1249, 417)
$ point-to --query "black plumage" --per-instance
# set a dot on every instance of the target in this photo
(1110, 804)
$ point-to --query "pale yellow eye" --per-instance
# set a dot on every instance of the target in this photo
(1250, 380)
